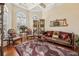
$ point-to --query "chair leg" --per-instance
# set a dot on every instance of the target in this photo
(9, 42)
(21, 40)
(13, 42)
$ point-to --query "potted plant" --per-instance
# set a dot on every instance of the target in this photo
(22, 28)
(77, 41)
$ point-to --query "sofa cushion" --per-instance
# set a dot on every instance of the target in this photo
(49, 33)
(63, 36)
(55, 34)
(66, 36)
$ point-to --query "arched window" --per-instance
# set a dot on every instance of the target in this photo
(21, 20)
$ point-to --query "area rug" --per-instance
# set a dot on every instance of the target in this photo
(38, 48)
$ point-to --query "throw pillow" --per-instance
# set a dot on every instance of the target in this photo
(55, 34)
(64, 36)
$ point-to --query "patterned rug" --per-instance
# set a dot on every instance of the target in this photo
(38, 48)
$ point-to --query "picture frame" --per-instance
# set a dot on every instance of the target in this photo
(58, 23)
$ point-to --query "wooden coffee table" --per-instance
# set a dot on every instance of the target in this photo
(30, 37)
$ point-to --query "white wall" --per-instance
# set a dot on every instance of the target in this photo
(68, 11)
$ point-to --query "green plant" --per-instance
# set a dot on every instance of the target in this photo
(77, 41)
(22, 28)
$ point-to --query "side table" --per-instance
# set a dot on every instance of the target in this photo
(30, 37)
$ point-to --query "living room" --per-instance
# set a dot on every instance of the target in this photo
(41, 23)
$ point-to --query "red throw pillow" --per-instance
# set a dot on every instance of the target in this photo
(64, 36)
(49, 34)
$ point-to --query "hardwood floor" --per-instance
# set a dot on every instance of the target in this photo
(10, 49)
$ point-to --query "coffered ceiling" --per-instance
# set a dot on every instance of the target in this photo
(37, 6)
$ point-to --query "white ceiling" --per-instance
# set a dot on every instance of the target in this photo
(36, 6)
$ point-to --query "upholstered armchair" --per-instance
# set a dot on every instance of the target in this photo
(11, 35)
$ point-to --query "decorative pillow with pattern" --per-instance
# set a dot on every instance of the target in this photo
(55, 34)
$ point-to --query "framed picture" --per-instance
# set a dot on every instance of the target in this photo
(58, 23)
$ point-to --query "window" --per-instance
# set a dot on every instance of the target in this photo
(21, 20)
